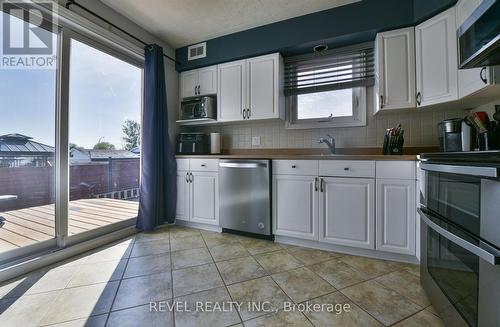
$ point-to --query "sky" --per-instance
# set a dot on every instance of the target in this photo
(104, 92)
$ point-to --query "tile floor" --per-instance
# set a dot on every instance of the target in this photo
(115, 285)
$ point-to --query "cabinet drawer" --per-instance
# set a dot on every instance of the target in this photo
(182, 164)
(295, 167)
(347, 168)
(204, 165)
(396, 169)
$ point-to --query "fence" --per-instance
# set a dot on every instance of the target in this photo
(34, 186)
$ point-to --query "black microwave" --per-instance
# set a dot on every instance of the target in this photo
(479, 37)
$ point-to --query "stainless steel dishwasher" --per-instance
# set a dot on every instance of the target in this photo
(245, 196)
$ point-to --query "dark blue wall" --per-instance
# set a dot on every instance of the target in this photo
(354, 23)
(424, 9)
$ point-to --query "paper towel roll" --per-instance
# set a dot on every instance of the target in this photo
(215, 143)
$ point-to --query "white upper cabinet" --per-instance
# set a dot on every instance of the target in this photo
(189, 83)
(232, 91)
(207, 80)
(199, 82)
(250, 89)
(436, 59)
(263, 87)
(347, 211)
(472, 80)
(395, 69)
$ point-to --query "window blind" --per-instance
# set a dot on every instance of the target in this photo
(336, 69)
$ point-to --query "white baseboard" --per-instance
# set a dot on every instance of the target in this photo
(347, 250)
(210, 228)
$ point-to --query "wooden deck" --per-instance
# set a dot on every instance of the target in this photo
(31, 225)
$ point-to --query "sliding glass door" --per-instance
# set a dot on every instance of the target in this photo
(105, 101)
(28, 92)
(69, 139)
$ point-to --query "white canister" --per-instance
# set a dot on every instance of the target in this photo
(215, 143)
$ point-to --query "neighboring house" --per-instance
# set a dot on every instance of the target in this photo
(78, 156)
(17, 150)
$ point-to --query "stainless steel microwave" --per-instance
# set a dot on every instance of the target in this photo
(202, 108)
(479, 36)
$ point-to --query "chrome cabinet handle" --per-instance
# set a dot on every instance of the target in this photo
(483, 78)
(485, 252)
(244, 114)
(322, 185)
(419, 98)
(381, 101)
(249, 112)
(346, 168)
(191, 177)
(316, 184)
(294, 166)
(187, 177)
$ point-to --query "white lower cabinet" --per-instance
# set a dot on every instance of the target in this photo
(198, 192)
(370, 205)
(295, 206)
(347, 211)
(204, 196)
(182, 208)
(396, 208)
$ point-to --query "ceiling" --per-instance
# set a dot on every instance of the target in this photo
(183, 22)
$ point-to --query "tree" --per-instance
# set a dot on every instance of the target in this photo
(132, 131)
(75, 146)
(104, 146)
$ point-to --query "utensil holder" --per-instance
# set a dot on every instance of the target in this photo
(393, 148)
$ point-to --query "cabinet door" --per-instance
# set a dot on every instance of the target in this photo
(472, 80)
(189, 82)
(396, 207)
(295, 206)
(207, 80)
(347, 212)
(232, 91)
(182, 208)
(395, 69)
(204, 191)
(263, 83)
(436, 59)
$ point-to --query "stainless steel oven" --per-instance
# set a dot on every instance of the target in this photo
(460, 238)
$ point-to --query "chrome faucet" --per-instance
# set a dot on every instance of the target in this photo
(330, 141)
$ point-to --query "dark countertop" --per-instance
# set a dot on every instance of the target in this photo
(302, 157)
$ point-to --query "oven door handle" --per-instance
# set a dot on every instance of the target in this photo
(491, 172)
(489, 255)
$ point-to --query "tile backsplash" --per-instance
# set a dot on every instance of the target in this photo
(420, 127)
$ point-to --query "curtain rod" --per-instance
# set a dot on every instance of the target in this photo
(73, 2)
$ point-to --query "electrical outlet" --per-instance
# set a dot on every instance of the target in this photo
(256, 140)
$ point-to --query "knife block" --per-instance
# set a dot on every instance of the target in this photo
(393, 148)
